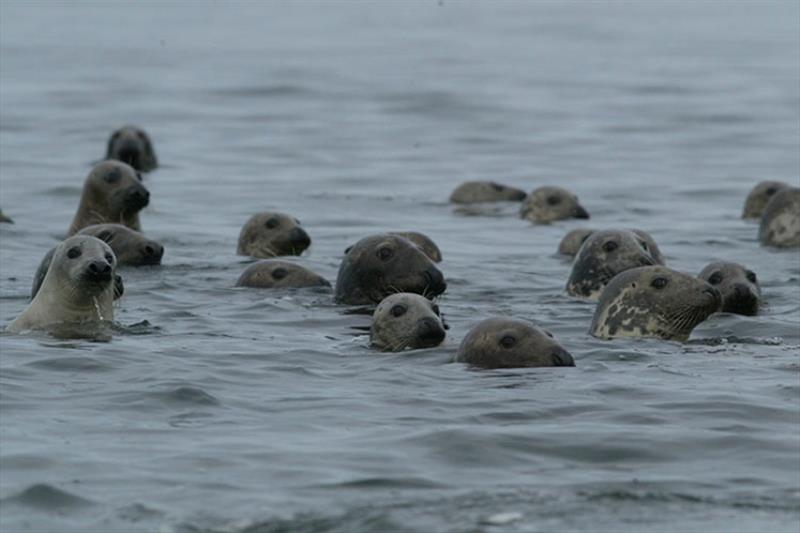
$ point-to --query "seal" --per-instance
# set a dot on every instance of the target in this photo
(112, 193)
(653, 301)
(780, 223)
(274, 273)
(573, 241)
(130, 246)
(547, 204)
(737, 285)
(132, 145)
(4, 218)
(509, 343)
(78, 287)
(472, 192)
(605, 254)
(383, 264)
(44, 266)
(271, 234)
(406, 321)
(422, 241)
(759, 196)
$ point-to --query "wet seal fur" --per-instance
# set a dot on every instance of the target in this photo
(653, 301)
(509, 343)
(130, 246)
(472, 192)
(78, 287)
(271, 234)
(424, 243)
(571, 244)
(132, 145)
(112, 194)
(406, 321)
(738, 286)
(759, 196)
(383, 264)
(277, 274)
(780, 223)
(605, 254)
(548, 204)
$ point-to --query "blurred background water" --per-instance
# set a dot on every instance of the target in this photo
(223, 409)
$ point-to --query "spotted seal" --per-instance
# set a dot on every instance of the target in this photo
(472, 192)
(509, 343)
(780, 223)
(274, 273)
(548, 204)
(406, 321)
(272, 234)
(759, 196)
(737, 285)
(132, 145)
(653, 301)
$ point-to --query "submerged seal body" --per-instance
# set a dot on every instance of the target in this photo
(759, 196)
(130, 246)
(271, 234)
(112, 194)
(737, 285)
(508, 343)
(547, 204)
(383, 264)
(653, 301)
(274, 273)
(406, 321)
(780, 222)
(604, 255)
(132, 145)
(78, 287)
(473, 192)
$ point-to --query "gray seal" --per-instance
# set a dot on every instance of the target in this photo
(272, 234)
(424, 243)
(472, 192)
(277, 274)
(573, 241)
(548, 204)
(112, 194)
(132, 145)
(130, 247)
(605, 254)
(383, 264)
(509, 343)
(406, 321)
(738, 286)
(780, 223)
(78, 287)
(653, 301)
(759, 196)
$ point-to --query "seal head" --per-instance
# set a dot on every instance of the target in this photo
(759, 196)
(130, 247)
(780, 223)
(271, 234)
(737, 285)
(274, 274)
(547, 204)
(406, 321)
(132, 145)
(472, 192)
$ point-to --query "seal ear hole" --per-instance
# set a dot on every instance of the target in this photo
(549, 334)
(272, 223)
(280, 273)
(553, 200)
(113, 176)
(74, 252)
(751, 276)
(610, 246)
(508, 341)
(659, 283)
(385, 253)
(715, 278)
(398, 310)
(105, 236)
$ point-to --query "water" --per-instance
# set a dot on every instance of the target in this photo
(221, 409)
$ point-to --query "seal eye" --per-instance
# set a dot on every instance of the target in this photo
(659, 283)
(644, 245)
(110, 259)
(74, 252)
(435, 309)
(715, 279)
(384, 254)
(280, 273)
(751, 276)
(553, 200)
(770, 191)
(113, 176)
(497, 186)
(508, 341)
(610, 246)
(398, 310)
(273, 223)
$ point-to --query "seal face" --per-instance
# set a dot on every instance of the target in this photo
(274, 273)
(759, 196)
(547, 204)
(737, 285)
(406, 321)
(424, 243)
(383, 264)
(653, 301)
(112, 193)
(472, 192)
(130, 247)
(508, 343)
(271, 234)
(780, 223)
(132, 145)
(78, 286)
(604, 255)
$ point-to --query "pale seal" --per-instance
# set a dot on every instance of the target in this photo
(44, 266)
(605, 254)
(509, 343)
(472, 192)
(422, 241)
(406, 321)
(780, 223)
(653, 301)
(759, 196)
(271, 234)
(132, 145)
(737, 285)
(548, 204)
(112, 193)
(274, 273)
(379, 265)
(78, 287)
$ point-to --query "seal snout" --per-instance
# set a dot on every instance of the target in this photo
(98, 271)
(580, 212)
(138, 197)
(130, 153)
(434, 281)
(430, 331)
(152, 252)
(561, 357)
(299, 238)
(743, 301)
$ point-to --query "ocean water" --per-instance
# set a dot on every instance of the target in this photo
(216, 408)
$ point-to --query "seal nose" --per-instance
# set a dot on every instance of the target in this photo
(430, 331)
(99, 270)
(434, 281)
(519, 196)
(580, 212)
(741, 291)
(299, 238)
(138, 197)
(129, 153)
(561, 357)
(152, 252)
(743, 301)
